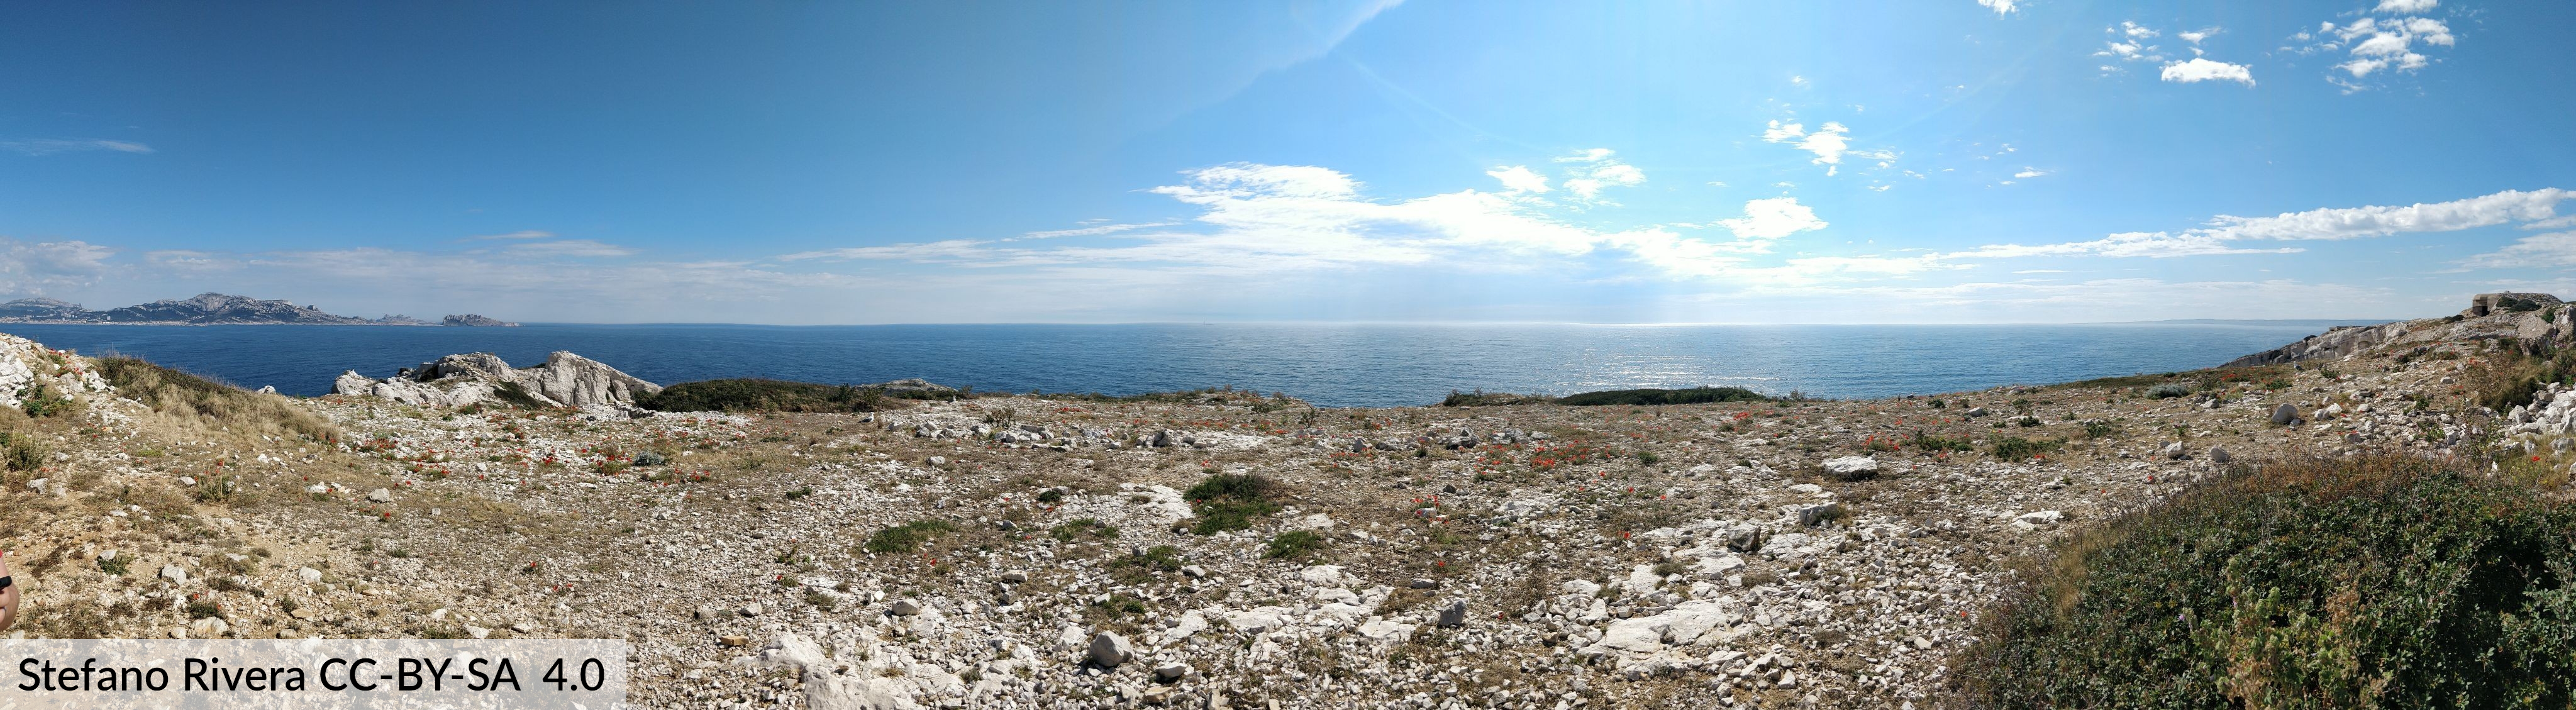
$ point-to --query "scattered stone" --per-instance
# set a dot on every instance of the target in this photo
(1453, 614)
(1108, 649)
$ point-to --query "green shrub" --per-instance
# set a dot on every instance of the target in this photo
(116, 566)
(1079, 527)
(2169, 390)
(758, 395)
(2368, 583)
(2099, 429)
(218, 405)
(2014, 448)
(1051, 496)
(1937, 443)
(1694, 395)
(40, 401)
(23, 452)
(907, 537)
(1481, 398)
(1228, 501)
(1294, 544)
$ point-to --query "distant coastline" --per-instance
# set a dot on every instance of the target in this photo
(210, 309)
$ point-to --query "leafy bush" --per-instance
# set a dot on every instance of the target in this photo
(215, 404)
(1695, 395)
(1937, 443)
(2169, 390)
(2369, 583)
(1481, 398)
(1294, 544)
(2097, 429)
(907, 537)
(1069, 531)
(758, 395)
(1229, 501)
(2014, 448)
(22, 452)
(40, 401)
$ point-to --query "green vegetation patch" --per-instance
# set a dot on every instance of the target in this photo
(908, 537)
(2014, 448)
(758, 395)
(1229, 501)
(2367, 583)
(1695, 395)
(1294, 545)
(219, 405)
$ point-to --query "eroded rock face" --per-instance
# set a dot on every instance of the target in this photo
(565, 380)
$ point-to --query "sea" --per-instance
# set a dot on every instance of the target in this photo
(1339, 365)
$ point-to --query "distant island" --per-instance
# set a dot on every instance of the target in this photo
(208, 309)
(477, 321)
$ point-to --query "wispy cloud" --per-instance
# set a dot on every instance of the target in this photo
(1094, 231)
(521, 234)
(50, 146)
(581, 248)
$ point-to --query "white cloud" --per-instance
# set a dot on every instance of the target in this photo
(2135, 31)
(2224, 231)
(2196, 36)
(2029, 172)
(50, 146)
(2377, 44)
(1594, 171)
(2553, 223)
(1093, 231)
(579, 248)
(1519, 178)
(2407, 7)
(1772, 218)
(521, 234)
(2555, 249)
(2001, 7)
(2157, 245)
(2198, 69)
(35, 268)
(1829, 143)
(2377, 221)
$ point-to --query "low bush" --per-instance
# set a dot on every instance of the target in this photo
(2169, 390)
(1294, 545)
(215, 404)
(1481, 398)
(1229, 501)
(908, 537)
(758, 395)
(2389, 582)
(2014, 448)
(20, 452)
(1082, 527)
(1694, 395)
(1935, 443)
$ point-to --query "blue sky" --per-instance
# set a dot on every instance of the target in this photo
(1919, 162)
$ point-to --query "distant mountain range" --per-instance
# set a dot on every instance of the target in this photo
(206, 309)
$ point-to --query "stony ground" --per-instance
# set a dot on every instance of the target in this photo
(1039, 552)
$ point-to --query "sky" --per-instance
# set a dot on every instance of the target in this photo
(1945, 161)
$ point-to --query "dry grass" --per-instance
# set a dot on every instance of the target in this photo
(210, 405)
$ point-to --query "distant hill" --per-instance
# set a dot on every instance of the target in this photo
(473, 320)
(203, 309)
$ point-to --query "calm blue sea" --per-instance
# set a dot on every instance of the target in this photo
(1333, 365)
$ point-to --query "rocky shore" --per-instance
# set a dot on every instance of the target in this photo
(1205, 549)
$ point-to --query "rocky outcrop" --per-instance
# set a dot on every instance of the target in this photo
(477, 321)
(2487, 304)
(565, 380)
(26, 365)
(2526, 316)
(2336, 343)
